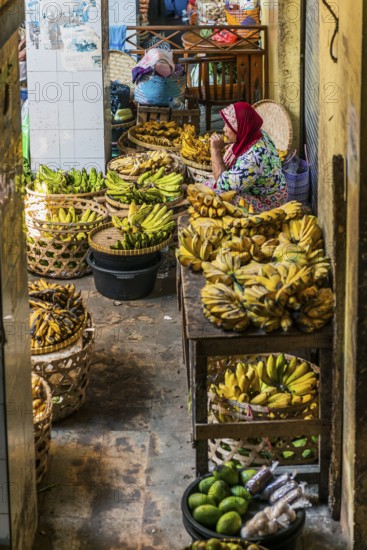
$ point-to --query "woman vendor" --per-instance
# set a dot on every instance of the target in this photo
(250, 165)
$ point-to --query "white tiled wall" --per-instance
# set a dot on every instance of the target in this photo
(66, 107)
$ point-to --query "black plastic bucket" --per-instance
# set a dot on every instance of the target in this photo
(124, 263)
(123, 284)
(284, 539)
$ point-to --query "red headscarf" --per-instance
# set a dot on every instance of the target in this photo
(246, 124)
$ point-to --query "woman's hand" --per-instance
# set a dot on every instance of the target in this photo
(216, 143)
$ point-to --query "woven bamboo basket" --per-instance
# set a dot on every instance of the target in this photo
(120, 66)
(55, 249)
(277, 123)
(176, 165)
(120, 205)
(42, 430)
(197, 175)
(103, 236)
(61, 345)
(125, 146)
(34, 197)
(150, 146)
(67, 373)
(259, 451)
(245, 17)
(193, 164)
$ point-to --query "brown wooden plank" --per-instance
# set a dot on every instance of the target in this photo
(339, 281)
(325, 401)
(261, 428)
(199, 399)
(256, 77)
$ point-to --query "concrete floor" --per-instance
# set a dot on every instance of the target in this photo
(119, 466)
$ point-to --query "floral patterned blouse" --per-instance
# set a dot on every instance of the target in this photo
(257, 174)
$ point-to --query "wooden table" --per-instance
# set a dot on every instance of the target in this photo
(201, 339)
(252, 60)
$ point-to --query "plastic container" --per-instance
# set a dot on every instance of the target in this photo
(284, 539)
(124, 284)
(297, 175)
(124, 263)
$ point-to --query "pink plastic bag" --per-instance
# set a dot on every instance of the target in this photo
(225, 36)
(160, 60)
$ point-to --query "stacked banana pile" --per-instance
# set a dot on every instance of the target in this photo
(195, 148)
(57, 182)
(57, 312)
(274, 383)
(207, 203)
(38, 398)
(162, 133)
(196, 247)
(144, 227)
(150, 188)
(134, 165)
(273, 265)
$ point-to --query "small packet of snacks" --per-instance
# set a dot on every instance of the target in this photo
(257, 483)
(287, 489)
(269, 521)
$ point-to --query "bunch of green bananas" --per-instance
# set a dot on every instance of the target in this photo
(144, 226)
(150, 188)
(78, 220)
(276, 383)
(56, 182)
(196, 247)
(57, 312)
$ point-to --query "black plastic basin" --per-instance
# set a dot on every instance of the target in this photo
(284, 539)
(124, 263)
(124, 284)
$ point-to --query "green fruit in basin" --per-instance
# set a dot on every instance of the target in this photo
(240, 491)
(213, 544)
(219, 490)
(198, 499)
(227, 474)
(236, 504)
(207, 515)
(229, 524)
(205, 484)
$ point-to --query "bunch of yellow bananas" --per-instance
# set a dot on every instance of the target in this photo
(223, 269)
(159, 133)
(207, 203)
(318, 311)
(38, 398)
(274, 383)
(57, 312)
(196, 247)
(150, 188)
(144, 226)
(195, 148)
(134, 165)
(222, 306)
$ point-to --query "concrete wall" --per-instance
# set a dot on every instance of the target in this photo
(340, 133)
(283, 19)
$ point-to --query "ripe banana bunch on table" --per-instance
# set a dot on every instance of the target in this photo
(57, 312)
(195, 247)
(134, 165)
(144, 226)
(195, 148)
(305, 232)
(318, 311)
(222, 269)
(205, 202)
(38, 399)
(223, 308)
